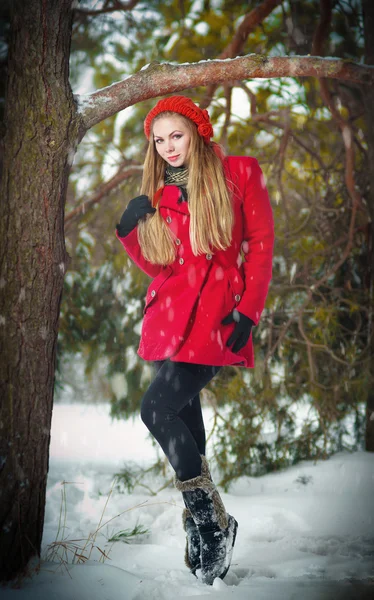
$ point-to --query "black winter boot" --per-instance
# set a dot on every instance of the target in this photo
(192, 552)
(217, 529)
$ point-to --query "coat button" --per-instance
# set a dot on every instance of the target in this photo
(181, 261)
(168, 219)
(208, 256)
(153, 293)
(237, 298)
(177, 241)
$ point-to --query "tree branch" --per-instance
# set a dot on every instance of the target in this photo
(323, 27)
(160, 79)
(226, 125)
(235, 47)
(103, 191)
(347, 135)
(251, 97)
(249, 23)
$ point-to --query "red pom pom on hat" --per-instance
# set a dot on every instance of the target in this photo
(184, 106)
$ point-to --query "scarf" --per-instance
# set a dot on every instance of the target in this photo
(177, 176)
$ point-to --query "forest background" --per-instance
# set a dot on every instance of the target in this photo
(70, 162)
(313, 342)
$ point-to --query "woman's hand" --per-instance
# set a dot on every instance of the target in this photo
(137, 208)
(242, 329)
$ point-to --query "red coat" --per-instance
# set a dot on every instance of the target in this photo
(187, 300)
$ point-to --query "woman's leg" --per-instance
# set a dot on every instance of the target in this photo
(211, 532)
(171, 390)
(192, 416)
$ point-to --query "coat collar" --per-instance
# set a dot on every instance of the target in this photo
(171, 193)
(170, 197)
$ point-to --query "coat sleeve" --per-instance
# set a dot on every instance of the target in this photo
(131, 245)
(258, 240)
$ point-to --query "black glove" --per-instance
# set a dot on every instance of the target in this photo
(136, 209)
(242, 329)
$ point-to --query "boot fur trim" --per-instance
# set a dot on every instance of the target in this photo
(205, 482)
(185, 514)
(186, 559)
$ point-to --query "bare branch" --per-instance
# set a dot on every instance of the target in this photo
(249, 23)
(282, 151)
(347, 240)
(101, 193)
(159, 79)
(323, 27)
(226, 125)
(309, 349)
(251, 97)
(348, 138)
(315, 155)
(235, 47)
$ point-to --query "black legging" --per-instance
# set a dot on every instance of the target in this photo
(171, 410)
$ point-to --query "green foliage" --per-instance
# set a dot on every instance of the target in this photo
(132, 476)
(99, 313)
(127, 535)
(312, 346)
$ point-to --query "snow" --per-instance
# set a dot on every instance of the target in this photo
(305, 531)
(87, 101)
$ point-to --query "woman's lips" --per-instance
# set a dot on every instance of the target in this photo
(173, 157)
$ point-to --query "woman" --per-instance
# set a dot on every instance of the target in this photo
(203, 229)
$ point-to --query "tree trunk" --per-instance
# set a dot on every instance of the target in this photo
(368, 14)
(40, 139)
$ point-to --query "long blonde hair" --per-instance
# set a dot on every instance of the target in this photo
(209, 201)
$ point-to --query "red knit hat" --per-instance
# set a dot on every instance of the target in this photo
(184, 106)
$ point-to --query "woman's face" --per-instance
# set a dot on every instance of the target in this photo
(172, 140)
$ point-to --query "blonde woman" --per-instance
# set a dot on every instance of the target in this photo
(202, 228)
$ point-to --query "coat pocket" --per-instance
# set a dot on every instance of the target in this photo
(236, 284)
(154, 287)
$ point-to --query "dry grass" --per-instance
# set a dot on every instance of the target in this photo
(65, 551)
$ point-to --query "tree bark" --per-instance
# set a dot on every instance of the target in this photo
(41, 132)
(368, 94)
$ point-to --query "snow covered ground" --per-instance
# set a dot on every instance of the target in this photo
(308, 531)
